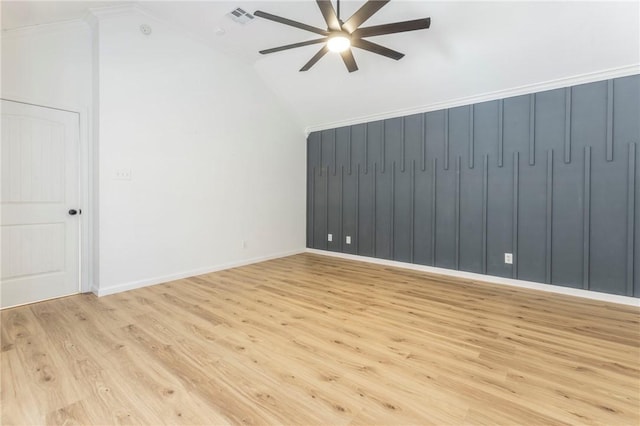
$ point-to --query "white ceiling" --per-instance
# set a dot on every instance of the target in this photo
(472, 48)
(24, 13)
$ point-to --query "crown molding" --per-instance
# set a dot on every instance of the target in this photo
(95, 15)
(113, 11)
(106, 12)
(50, 28)
(490, 96)
(91, 20)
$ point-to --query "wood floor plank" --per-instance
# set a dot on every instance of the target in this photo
(314, 340)
(18, 407)
(17, 324)
(72, 414)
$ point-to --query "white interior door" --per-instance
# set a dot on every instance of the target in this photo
(40, 188)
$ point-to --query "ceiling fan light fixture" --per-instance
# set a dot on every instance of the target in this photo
(340, 36)
(339, 42)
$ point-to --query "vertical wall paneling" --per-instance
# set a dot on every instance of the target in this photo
(392, 209)
(335, 154)
(412, 192)
(610, 120)
(422, 215)
(532, 129)
(586, 221)
(447, 195)
(350, 148)
(314, 150)
(402, 146)
(319, 209)
(457, 213)
(606, 213)
(424, 141)
(311, 217)
(320, 152)
(471, 135)
(357, 227)
(636, 275)
(366, 148)
(340, 232)
(309, 192)
(569, 221)
(366, 207)
(383, 150)
(485, 194)
(309, 205)
(500, 133)
(516, 198)
(334, 207)
(631, 204)
(446, 139)
(567, 125)
(349, 151)
(375, 208)
(626, 130)
(328, 154)
(549, 216)
(326, 208)
(434, 175)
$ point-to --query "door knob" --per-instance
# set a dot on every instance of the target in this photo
(74, 212)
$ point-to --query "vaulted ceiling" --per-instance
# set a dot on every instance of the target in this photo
(472, 48)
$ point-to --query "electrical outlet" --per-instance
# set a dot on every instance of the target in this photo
(508, 258)
(330, 237)
(347, 239)
(243, 244)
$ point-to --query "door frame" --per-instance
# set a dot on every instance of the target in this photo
(87, 181)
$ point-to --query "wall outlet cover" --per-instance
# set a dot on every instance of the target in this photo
(348, 239)
(330, 237)
(508, 258)
(122, 174)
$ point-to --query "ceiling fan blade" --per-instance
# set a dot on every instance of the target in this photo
(293, 46)
(289, 22)
(376, 48)
(362, 14)
(397, 27)
(315, 58)
(329, 14)
(349, 60)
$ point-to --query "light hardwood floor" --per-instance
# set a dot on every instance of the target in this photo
(309, 340)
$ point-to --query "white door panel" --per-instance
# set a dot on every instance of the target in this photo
(40, 240)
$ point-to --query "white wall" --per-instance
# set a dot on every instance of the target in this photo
(215, 159)
(48, 65)
(51, 65)
(473, 51)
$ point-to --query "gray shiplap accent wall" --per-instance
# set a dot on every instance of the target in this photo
(551, 177)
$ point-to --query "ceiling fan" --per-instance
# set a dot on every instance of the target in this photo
(341, 36)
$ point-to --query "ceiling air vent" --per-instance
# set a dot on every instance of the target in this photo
(241, 16)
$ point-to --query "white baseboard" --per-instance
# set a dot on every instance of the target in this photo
(594, 295)
(186, 274)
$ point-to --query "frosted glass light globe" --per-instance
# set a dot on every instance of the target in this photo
(338, 43)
